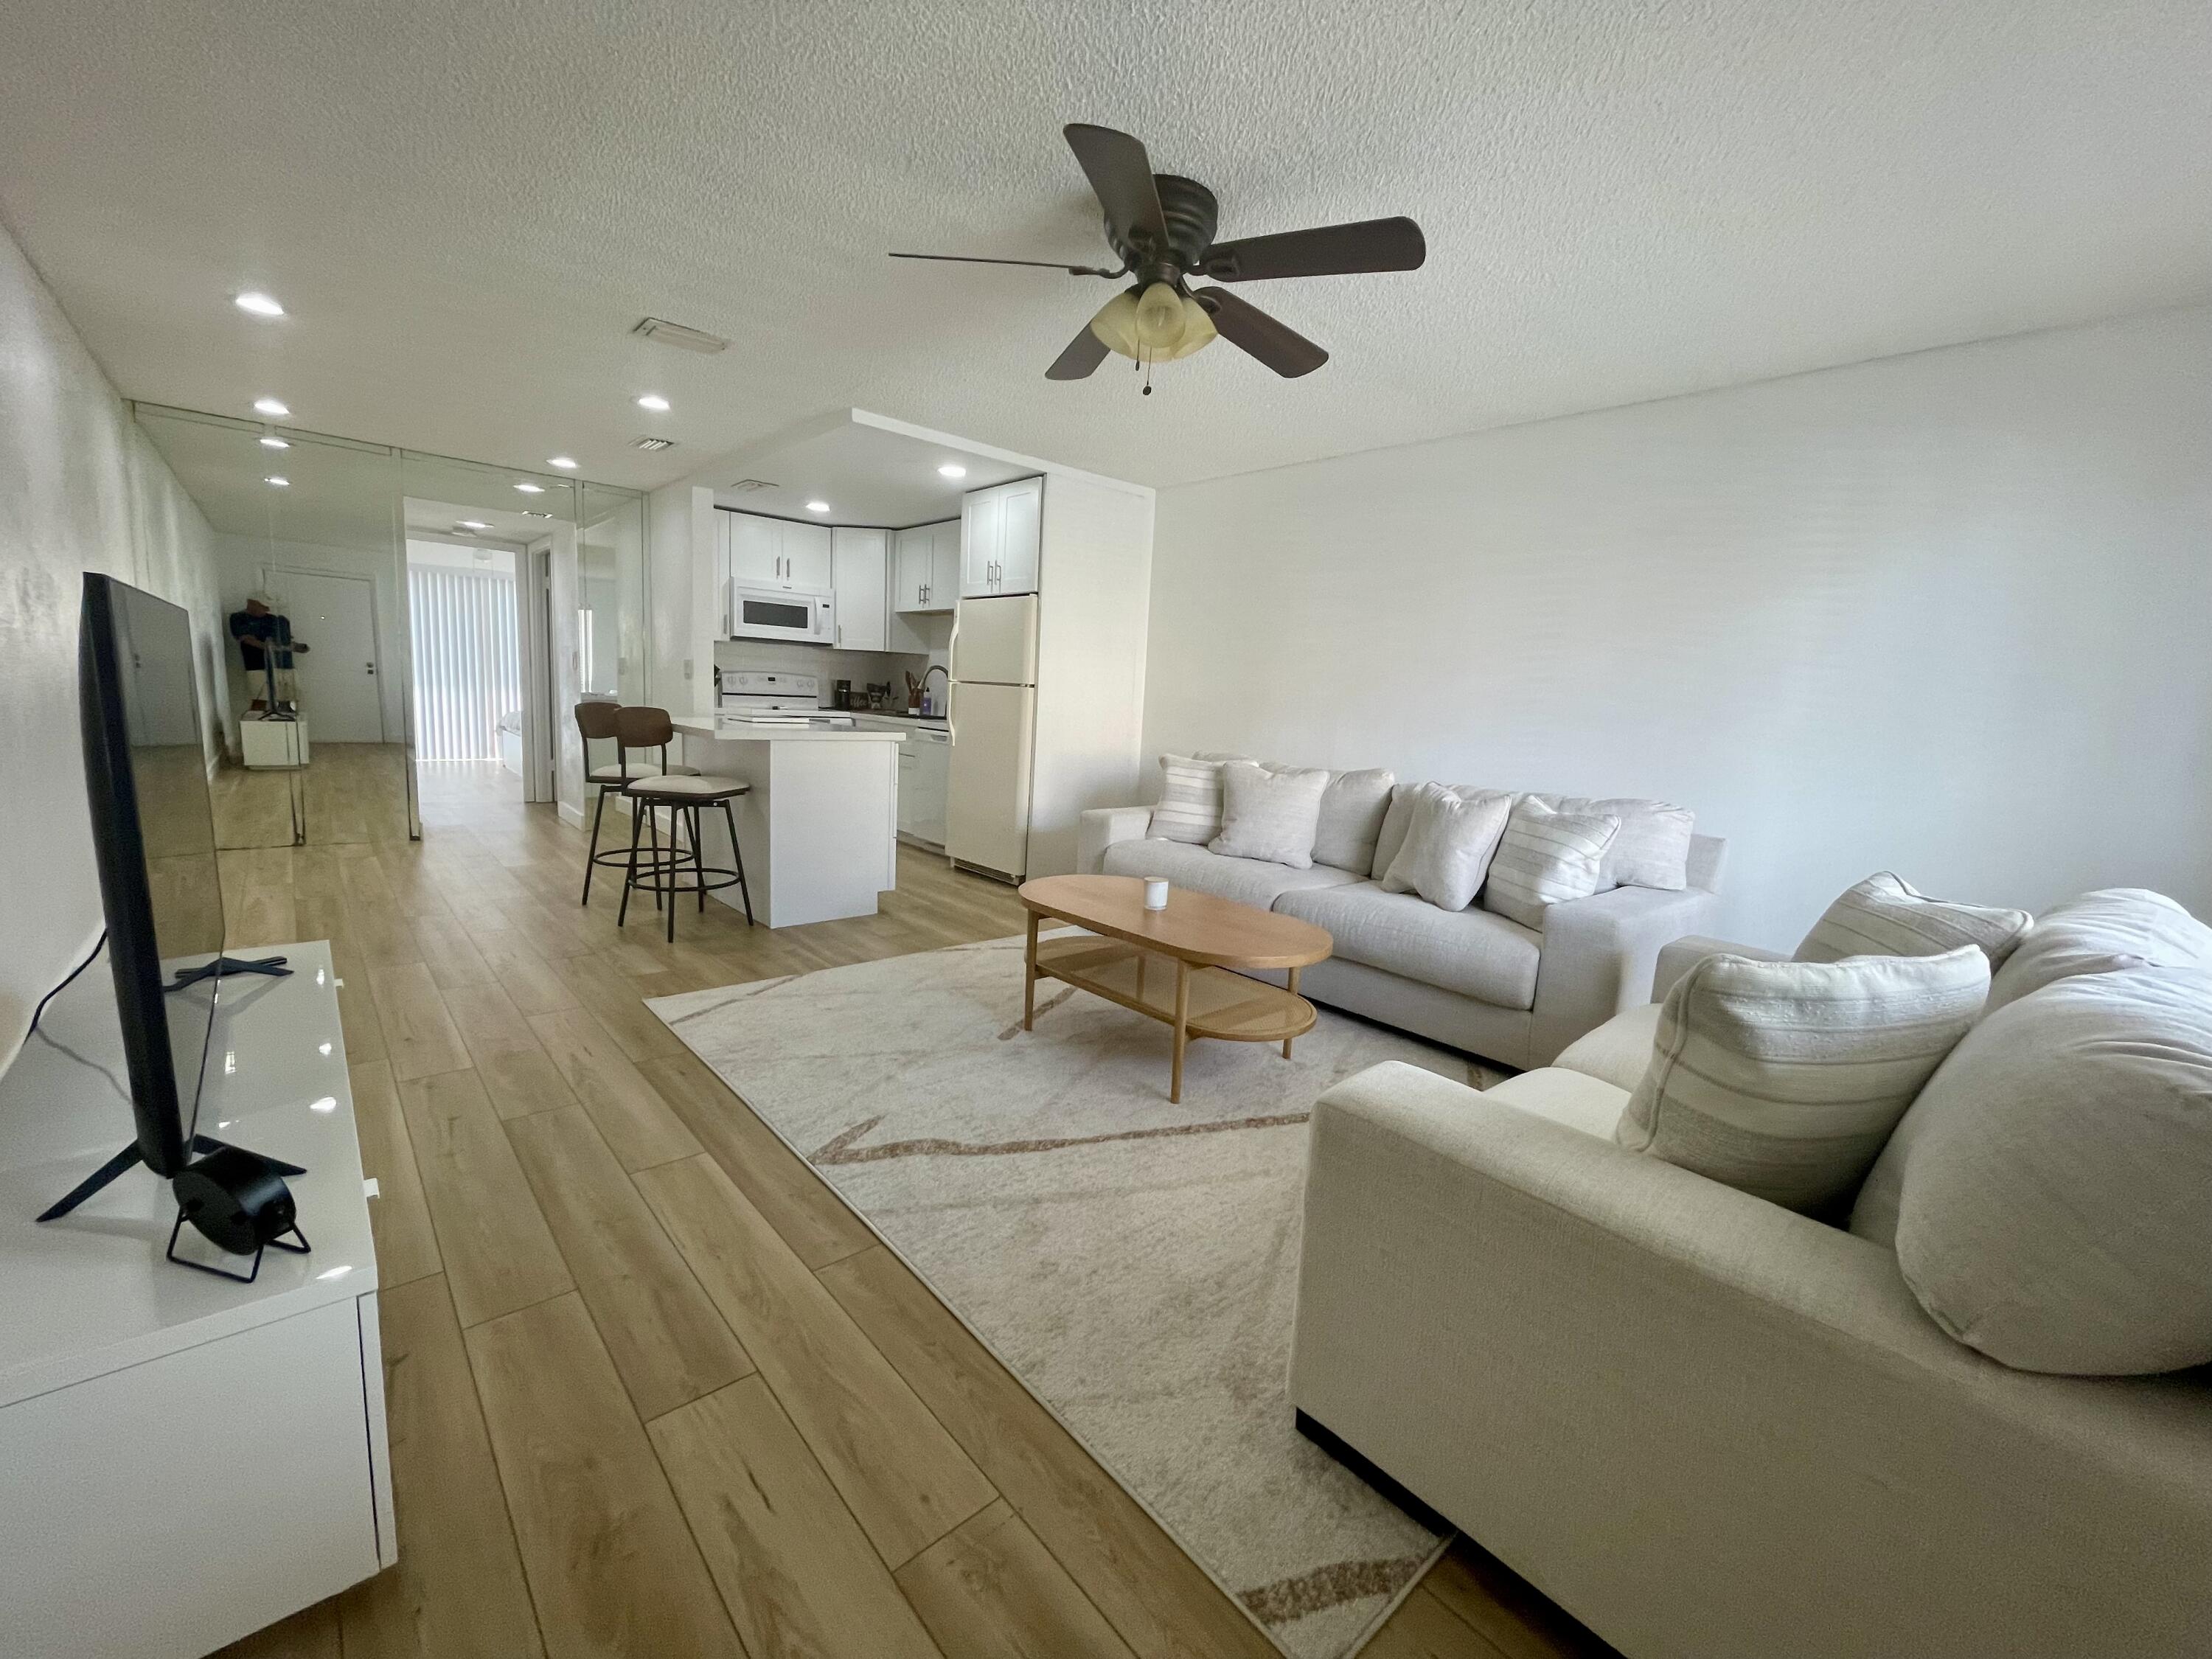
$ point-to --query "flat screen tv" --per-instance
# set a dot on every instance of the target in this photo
(153, 837)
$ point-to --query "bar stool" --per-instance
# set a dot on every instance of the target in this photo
(684, 794)
(595, 722)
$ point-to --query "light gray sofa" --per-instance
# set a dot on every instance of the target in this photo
(1469, 978)
(1707, 1426)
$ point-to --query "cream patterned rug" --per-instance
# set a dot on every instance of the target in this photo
(1132, 1262)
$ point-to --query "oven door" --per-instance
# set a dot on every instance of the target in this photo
(780, 613)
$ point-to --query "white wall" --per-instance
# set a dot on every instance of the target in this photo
(1950, 614)
(241, 560)
(81, 488)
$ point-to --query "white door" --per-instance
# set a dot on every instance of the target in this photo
(806, 557)
(944, 565)
(335, 617)
(1021, 524)
(755, 547)
(859, 566)
(995, 641)
(980, 514)
(987, 807)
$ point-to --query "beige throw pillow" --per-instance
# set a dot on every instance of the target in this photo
(1189, 807)
(1351, 810)
(1450, 835)
(1884, 916)
(2106, 931)
(1783, 1079)
(1270, 814)
(1653, 847)
(1546, 857)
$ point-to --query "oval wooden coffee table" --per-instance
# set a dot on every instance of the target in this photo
(1201, 938)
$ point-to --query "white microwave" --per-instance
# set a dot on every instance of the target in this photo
(782, 613)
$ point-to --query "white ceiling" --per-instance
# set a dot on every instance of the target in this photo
(867, 475)
(467, 209)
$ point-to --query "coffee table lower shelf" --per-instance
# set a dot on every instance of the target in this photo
(1193, 1002)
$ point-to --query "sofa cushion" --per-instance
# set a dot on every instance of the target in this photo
(1885, 916)
(1618, 1052)
(2057, 1179)
(1351, 810)
(2102, 932)
(1189, 808)
(1546, 857)
(1574, 1098)
(1269, 813)
(1469, 952)
(1248, 881)
(1398, 818)
(1782, 1080)
(1450, 837)
(1653, 847)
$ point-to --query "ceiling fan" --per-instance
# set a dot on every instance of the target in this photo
(1161, 227)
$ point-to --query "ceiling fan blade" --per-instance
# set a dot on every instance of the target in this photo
(1084, 353)
(1326, 251)
(1284, 349)
(1121, 174)
(1041, 265)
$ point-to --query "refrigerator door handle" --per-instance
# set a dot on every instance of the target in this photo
(951, 703)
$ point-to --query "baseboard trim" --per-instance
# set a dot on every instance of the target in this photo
(1345, 1453)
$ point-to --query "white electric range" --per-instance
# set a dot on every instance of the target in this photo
(758, 698)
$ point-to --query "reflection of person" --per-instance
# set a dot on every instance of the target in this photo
(267, 647)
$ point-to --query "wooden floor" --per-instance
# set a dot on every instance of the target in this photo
(653, 1390)
(347, 793)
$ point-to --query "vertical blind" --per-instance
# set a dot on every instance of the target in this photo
(467, 670)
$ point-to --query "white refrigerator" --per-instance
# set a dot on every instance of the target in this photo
(993, 720)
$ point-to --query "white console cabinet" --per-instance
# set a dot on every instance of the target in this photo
(184, 1459)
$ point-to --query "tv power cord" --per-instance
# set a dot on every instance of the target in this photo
(64, 985)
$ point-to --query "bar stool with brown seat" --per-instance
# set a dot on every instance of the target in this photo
(595, 722)
(676, 871)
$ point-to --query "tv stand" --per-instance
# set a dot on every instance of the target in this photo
(228, 967)
(124, 1382)
(130, 1157)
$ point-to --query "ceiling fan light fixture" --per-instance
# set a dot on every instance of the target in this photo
(1173, 327)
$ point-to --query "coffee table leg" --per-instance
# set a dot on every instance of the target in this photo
(1182, 1027)
(1028, 977)
(1293, 988)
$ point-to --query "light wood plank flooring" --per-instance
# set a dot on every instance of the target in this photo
(653, 1390)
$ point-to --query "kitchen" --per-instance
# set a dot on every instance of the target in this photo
(983, 612)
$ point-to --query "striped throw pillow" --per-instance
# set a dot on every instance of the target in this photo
(1883, 916)
(1546, 857)
(1189, 807)
(1784, 1079)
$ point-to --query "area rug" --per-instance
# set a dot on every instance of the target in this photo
(1132, 1262)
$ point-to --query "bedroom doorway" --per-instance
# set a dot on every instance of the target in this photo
(466, 613)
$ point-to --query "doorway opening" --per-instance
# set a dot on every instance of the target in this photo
(465, 608)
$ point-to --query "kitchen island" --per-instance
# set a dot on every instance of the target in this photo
(819, 829)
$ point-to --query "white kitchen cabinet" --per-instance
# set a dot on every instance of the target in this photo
(777, 552)
(858, 574)
(807, 560)
(928, 557)
(1000, 532)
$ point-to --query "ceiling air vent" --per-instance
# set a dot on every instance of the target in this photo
(653, 443)
(675, 334)
(746, 486)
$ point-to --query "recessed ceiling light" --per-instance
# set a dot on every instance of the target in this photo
(280, 483)
(818, 507)
(270, 406)
(260, 304)
(951, 471)
(531, 489)
(653, 401)
(275, 443)
(566, 463)
(472, 523)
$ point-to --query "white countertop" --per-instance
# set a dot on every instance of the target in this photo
(725, 730)
(928, 722)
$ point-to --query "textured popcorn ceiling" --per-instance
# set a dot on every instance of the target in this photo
(467, 207)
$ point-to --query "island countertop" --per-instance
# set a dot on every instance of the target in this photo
(724, 729)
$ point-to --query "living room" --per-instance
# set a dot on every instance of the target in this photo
(1419, 1106)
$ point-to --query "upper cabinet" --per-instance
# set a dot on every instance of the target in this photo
(928, 566)
(1001, 529)
(777, 552)
(859, 565)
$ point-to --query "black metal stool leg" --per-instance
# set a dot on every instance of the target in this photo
(592, 858)
(738, 858)
(699, 857)
(675, 862)
(630, 879)
(653, 842)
